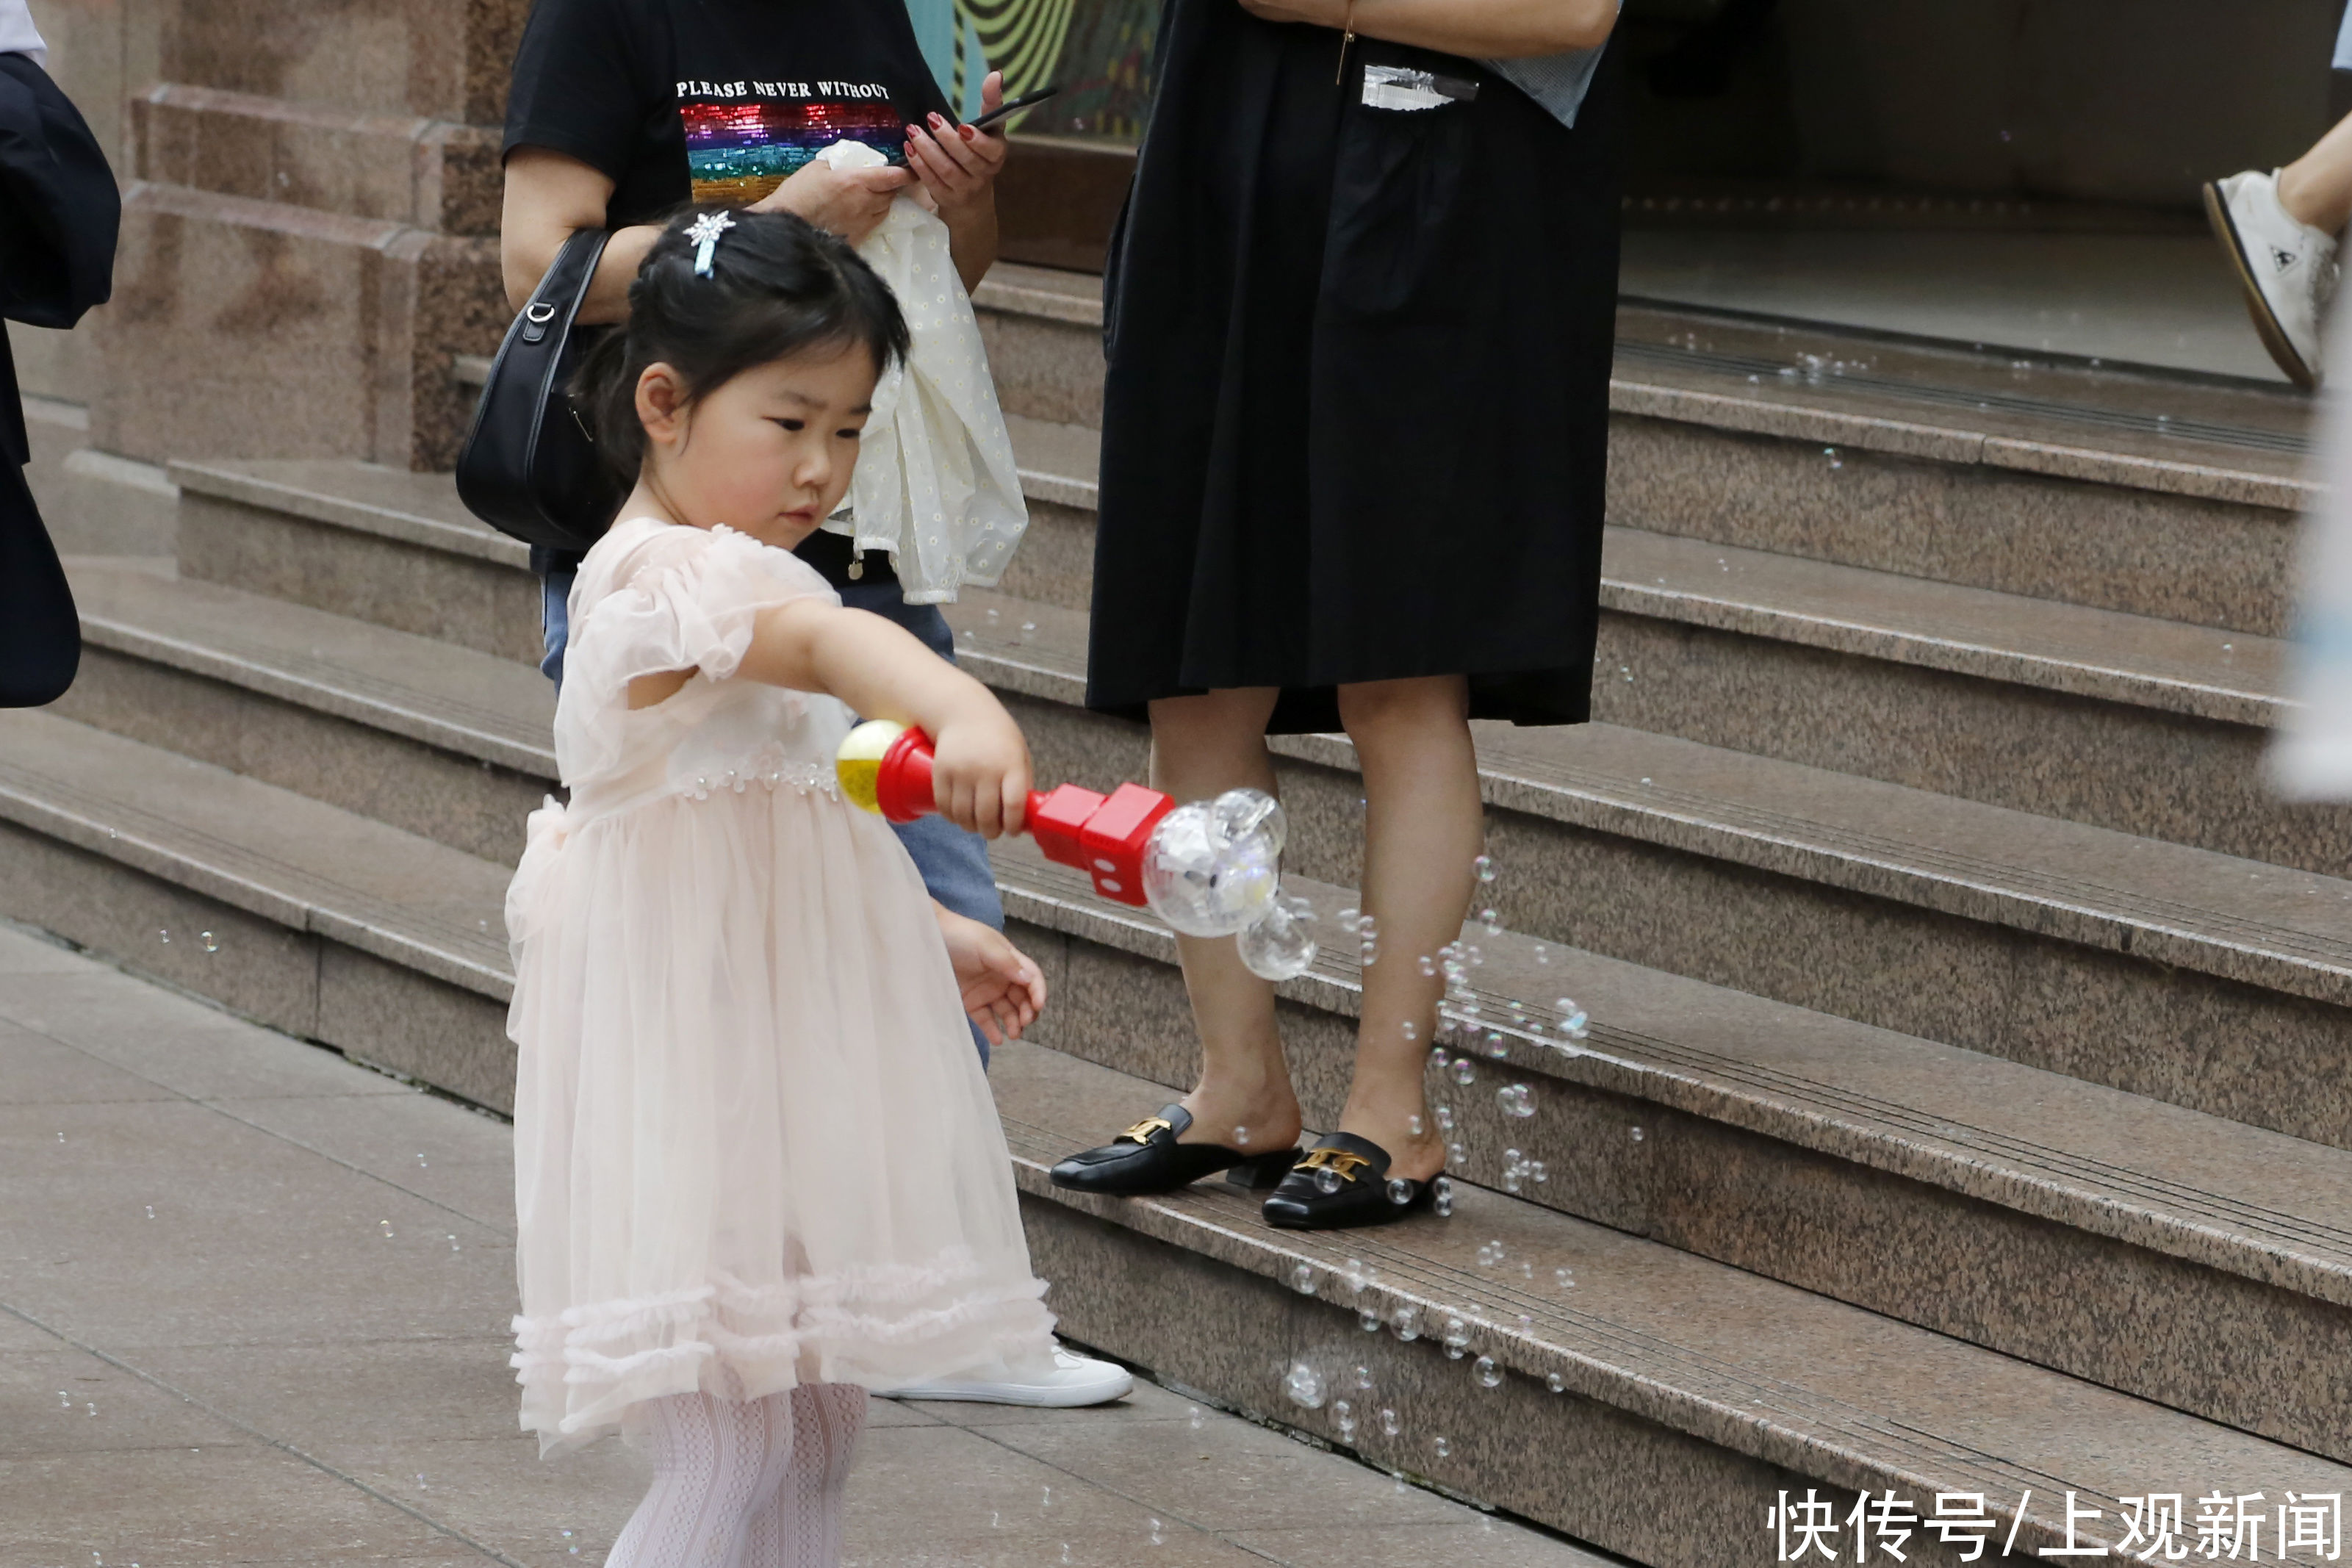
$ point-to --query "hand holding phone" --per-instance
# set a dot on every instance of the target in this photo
(1026, 100)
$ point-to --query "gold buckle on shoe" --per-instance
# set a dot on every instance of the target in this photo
(1142, 1131)
(1338, 1160)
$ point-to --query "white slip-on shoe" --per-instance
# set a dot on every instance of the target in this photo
(1074, 1380)
(2287, 268)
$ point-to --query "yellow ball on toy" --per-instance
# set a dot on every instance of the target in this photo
(859, 763)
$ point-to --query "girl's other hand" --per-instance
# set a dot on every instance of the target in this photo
(850, 203)
(1003, 990)
(979, 769)
(957, 164)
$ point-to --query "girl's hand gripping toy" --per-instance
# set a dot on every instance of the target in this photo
(1210, 869)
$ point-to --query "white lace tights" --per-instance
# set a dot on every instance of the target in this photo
(753, 1483)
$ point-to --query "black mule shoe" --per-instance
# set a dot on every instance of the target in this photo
(1146, 1159)
(1343, 1183)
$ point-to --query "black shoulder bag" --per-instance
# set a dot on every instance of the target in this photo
(529, 466)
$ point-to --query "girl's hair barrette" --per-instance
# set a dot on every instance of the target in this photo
(704, 232)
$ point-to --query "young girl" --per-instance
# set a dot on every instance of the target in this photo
(757, 1169)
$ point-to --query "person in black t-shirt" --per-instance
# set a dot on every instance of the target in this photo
(621, 111)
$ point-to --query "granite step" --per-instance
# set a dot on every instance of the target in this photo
(2154, 495)
(311, 919)
(2125, 721)
(2209, 981)
(431, 737)
(2122, 722)
(1944, 1187)
(1783, 1142)
(1680, 1377)
(1690, 1396)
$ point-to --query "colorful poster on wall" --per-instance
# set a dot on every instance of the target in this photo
(1097, 51)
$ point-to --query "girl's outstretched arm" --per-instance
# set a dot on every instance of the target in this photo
(980, 774)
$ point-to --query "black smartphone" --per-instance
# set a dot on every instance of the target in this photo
(1014, 107)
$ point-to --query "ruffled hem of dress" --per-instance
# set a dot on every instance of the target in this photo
(580, 1370)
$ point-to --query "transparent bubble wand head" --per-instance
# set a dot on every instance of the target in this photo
(1209, 868)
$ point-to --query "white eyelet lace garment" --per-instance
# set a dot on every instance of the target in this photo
(936, 484)
(753, 1146)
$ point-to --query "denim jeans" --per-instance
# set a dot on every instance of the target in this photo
(953, 863)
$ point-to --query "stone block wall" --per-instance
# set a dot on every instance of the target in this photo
(310, 228)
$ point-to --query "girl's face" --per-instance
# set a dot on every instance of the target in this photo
(767, 454)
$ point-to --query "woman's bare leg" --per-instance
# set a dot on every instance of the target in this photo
(1423, 828)
(2316, 188)
(1203, 746)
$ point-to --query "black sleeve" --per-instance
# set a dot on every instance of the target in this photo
(578, 86)
(60, 208)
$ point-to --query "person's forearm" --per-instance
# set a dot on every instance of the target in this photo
(874, 666)
(527, 257)
(971, 240)
(1484, 29)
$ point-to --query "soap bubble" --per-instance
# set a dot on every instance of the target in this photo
(1363, 1377)
(1491, 921)
(1564, 1278)
(1326, 1181)
(1369, 1317)
(1442, 1447)
(1277, 947)
(1240, 815)
(1445, 1114)
(1465, 1072)
(1205, 882)
(1486, 1372)
(1441, 1192)
(1457, 1337)
(1557, 1383)
(1405, 1322)
(1304, 1386)
(1302, 1278)
(1516, 1099)
(1485, 867)
(1399, 1190)
(1390, 1424)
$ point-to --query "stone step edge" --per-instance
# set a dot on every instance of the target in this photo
(1812, 424)
(265, 886)
(2307, 1263)
(1030, 668)
(288, 895)
(2222, 697)
(1820, 1437)
(2309, 1269)
(321, 691)
(2270, 1247)
(151, 852)
(2059, 907)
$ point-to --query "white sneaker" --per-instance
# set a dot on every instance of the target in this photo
(1074, 1380)
(2287, 268)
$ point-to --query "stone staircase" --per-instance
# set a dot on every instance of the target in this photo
(1965, 1107)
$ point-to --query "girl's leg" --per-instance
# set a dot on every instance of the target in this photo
(715, 1461)
(800, 1524)
(2316, 188)
(1203, 746)
(1423, 831)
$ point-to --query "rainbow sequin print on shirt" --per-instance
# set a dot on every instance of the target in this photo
(743, 139)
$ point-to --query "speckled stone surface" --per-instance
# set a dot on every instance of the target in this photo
(1643, 1330)
(479, 604)
(2112, 763)
(2213, 563)
(1832, 1218)
(452, 799)
(404, 168)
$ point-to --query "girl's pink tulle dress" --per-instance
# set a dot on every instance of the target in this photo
(753, 1145)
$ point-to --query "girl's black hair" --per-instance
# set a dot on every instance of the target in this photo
(779, 286)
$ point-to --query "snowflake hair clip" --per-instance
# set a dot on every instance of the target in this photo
(704, 232)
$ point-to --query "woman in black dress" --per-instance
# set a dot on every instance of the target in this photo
(1360, 314)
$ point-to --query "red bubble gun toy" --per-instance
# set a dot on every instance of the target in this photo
(887, 768)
